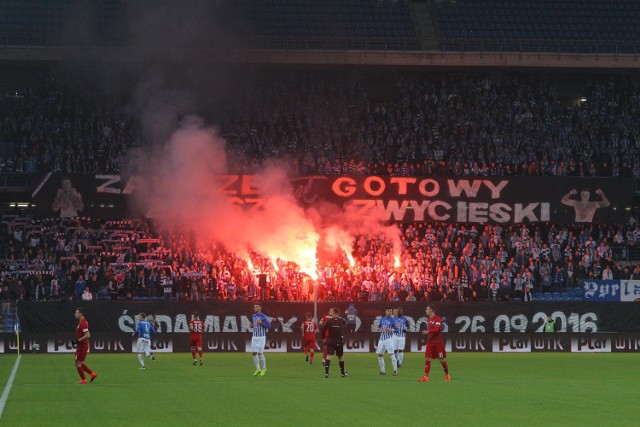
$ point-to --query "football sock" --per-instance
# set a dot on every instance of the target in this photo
(141, 360)
(200, 353)
(445, 366)
(400, 356)
(86, 369)
(342, 366)
(326, 366)
(193, 354)
(81, 372)
(263, 361)
(394, 362)
(311, 354)
(381, 363)
(324, 353)
(306, 351)
(256, 362)
(427, 368)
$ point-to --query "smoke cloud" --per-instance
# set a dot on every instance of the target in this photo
(182, 190)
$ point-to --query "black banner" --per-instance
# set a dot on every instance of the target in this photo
(476, 200)
(235, 317)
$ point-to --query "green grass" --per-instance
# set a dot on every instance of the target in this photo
(486, 389)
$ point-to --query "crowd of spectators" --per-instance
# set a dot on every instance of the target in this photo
(354, 124)
(89, 259)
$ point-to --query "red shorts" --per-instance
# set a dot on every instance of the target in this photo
(309, 342)
(435, 351)
(195, 342)
(81, 353)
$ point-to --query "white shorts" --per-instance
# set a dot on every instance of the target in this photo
(257, 344)
(387, 345)
(144, 346)
(399, 342)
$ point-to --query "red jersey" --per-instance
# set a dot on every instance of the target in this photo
(322, 322)
(434, 325)
(309, 328)
(196, 327)
(81, 329)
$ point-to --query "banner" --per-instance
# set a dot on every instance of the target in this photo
(611, 290)
(359, 342)
(234, 317)
(473, 200)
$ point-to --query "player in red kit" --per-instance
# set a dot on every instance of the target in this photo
(81, 341)
(309, 330)
(435, 345)
(324, 338)
(196, 327)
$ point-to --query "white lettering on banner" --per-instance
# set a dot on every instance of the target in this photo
(471, 190)
(503, 323)
(468, 344)
(590, 289)
(590, 345)
(230, 324)
(106, 186)
(475, 324)
(106, 345)
(440, 210)
(630, 290)
(547, 342)
(511, 344)
(1, 346)
(221, 344)
(626, 343)
(212, 324)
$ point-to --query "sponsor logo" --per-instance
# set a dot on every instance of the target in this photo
(590, 344)
(469, 343)
(113, 345)
(356, 345)
(625, 343)
(278, 345)
(221, 344)
(272, 345)
(550, 342)
(157, 345)
(60, 346)
(511, 344)
(419, 344)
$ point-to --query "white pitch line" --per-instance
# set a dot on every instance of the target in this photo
(7, 388)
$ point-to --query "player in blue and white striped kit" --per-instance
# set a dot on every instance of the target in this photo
(386, 342)
(261, 323)
(144, 330)
(401, 325)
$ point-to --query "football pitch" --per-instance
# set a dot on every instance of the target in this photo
(485, 389)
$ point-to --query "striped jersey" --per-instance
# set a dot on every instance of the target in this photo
(144, 329)
(401, 324)
(386, 328)
(260, 330)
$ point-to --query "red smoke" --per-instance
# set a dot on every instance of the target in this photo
(182, 192)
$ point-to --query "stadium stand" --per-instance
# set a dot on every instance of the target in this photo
(464, 124)
(539, 25)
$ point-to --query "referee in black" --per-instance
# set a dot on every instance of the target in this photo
(335, 342)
